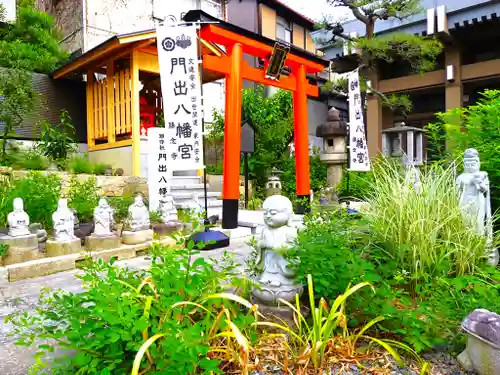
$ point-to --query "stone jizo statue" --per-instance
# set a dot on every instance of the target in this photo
(277, 280)
(64, 222)
(103, 218)
(18, 220)
(167, 209)
(474, 188)
(138, 215)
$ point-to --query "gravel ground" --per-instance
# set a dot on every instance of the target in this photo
(441, 364)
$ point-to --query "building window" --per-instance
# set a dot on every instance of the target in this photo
(283, 30)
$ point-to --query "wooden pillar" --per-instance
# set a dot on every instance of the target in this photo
(301, 138)
(110, 71)
(136, 116)
(374, 119)
(454, 87)
(90, 109)
(232, 130)
(374, 125)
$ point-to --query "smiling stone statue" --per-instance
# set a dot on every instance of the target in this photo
(277, 279)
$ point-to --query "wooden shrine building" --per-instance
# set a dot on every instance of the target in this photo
(124, 95)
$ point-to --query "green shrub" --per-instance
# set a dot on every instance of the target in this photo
(423, 230)
(318, 171)
(107, 323)
(99, 169)
(476, 126)
(40, 194)
(355, 185)
(28, 159)
(121, 205)
(80, 165)
(338, 251)
(155, 217)
(83, 197)
(57, 142)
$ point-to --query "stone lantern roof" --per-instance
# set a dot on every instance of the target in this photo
(333, 125)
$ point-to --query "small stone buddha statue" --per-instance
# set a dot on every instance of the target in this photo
(64, 222)
(103, 218)
(167, 209)
(474, 189)
(18, 220)
(138, 215)
(277, 280)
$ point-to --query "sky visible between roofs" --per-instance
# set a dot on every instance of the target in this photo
(315, 9)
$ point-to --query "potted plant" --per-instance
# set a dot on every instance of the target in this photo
(158, 224)
(3, 252)
(121, 204)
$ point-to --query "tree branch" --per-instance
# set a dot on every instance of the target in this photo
(353, 8)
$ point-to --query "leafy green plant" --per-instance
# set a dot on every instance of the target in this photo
(168, 314)
(18, 100)
(318, 171)
(327, 329)
(30, 160)
(476, 126)
(338, 250)
(57, 142)
(40, 194)
(120, 204)
(83, 197)
(155, 217)
(255, 203)
(99, 169)
(80, 165)
(3, 250)
(32, 42)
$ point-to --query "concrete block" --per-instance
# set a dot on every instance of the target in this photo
(98, 243)
(42, 267)
(56, 248)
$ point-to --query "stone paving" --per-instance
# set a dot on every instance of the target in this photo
(23, 296)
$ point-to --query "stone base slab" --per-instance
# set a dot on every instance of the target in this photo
(98, 243)
(136, 238)
(21, 249)
(57, 248)
(48, 266)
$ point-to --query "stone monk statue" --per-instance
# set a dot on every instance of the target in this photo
(103, 218)
(277, 279)
(138, 215)
(18, 220)
(474, 188)
(64, 222)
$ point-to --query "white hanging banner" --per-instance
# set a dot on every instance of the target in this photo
(181, 91)
(158, 172)
(358, 149)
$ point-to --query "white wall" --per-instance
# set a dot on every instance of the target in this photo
(10, 7)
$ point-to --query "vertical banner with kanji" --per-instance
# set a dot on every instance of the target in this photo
(181, 91)
(358, 149)
(158, 172)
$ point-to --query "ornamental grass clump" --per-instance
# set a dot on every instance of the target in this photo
(421, 227)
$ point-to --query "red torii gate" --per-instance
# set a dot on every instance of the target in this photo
(237, 42)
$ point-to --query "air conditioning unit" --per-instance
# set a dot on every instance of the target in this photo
(10, 9)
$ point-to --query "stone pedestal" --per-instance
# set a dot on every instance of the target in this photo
(58, 248)
(97, 243)
(165, 229)
(21, 249)
(137, 237)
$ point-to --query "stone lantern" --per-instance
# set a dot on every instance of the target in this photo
(404, 142)
(334, 152)
(273, 184)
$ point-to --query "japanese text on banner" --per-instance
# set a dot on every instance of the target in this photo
(158, 172)
(358, 150)
(181, 91)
